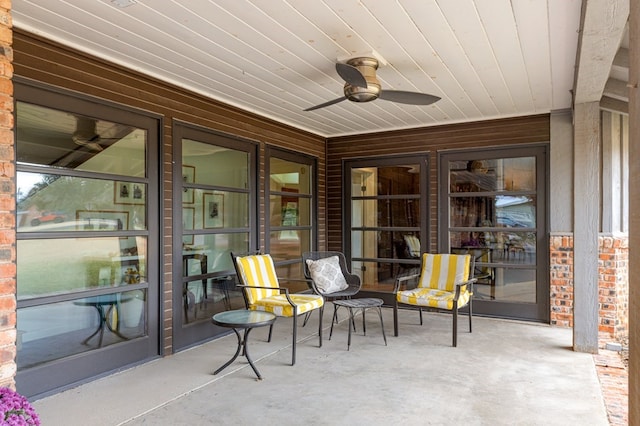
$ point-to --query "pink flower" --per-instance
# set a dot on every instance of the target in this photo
(15, 409)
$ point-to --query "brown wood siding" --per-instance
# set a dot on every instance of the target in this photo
(51, 63)
(430, 140)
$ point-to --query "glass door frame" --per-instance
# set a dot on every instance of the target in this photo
(185, 334)
(291, 267)
(538, 311)
(422, 160)
(67, 372)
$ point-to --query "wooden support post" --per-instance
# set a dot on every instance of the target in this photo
(586, 223)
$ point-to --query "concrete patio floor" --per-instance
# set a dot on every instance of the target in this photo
(504, 373)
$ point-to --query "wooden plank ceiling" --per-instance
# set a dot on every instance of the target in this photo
(485, 58)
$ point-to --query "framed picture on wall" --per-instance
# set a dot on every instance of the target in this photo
(188, 176)
(213, 210)
(129, 193)
(102, 220)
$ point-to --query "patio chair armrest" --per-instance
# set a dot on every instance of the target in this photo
(403, 279)
(281, 289)
(464, 284)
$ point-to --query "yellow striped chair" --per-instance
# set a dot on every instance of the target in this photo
(262, 292)
(445, 283)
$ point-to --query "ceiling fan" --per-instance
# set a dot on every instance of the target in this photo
(86, 134)
(362, 85)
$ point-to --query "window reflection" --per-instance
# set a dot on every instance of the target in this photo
(505, 211)
(385, 222)
(207, 164)
(290, 207)
(492, 217)
(59, 330)
(56, 266)
(54, 203)
(502, 174)
(60, 139)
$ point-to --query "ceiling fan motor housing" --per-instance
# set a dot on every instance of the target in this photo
(367, 67)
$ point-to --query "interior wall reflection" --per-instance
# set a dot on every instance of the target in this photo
(82, 234)
(215, 222)
(385, 221)
(493, 215)
(291, 180)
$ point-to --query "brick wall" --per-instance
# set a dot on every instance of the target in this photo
(7, 204)
(613, 283)
(561, 279)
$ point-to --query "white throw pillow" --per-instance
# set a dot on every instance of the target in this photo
(327, 275)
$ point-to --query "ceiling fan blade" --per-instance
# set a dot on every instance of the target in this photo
(351, 75)
(411, 98)
(326, 104)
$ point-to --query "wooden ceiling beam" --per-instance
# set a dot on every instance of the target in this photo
(602, 27)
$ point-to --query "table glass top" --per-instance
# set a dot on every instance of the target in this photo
(243, 317)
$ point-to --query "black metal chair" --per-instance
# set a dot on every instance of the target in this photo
(353, 281)
(262, 292)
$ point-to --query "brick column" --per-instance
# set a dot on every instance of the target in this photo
(7, 204)
(561, 279)
(613, 285)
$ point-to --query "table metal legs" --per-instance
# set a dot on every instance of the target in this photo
(364, 326)
(242, 347)
(104, 322)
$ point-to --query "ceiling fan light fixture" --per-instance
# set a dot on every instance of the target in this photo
(362, 94)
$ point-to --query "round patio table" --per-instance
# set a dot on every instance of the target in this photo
(244, 320)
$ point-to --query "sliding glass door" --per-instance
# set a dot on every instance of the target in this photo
(386, 218)
(493, 206)
(87, 239)
(213, 206)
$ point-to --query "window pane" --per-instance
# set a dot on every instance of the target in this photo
(288, 176)
(377, 276)
(515, 212)
(386, 244)
(58, 330)
(290, 211)
(56, 138)
(389, 212)
(508, 174)
(49, 202)
(391, 180)
(508, 285)
(493, 211)
(56, 266)
(207, 164)
(506, 247)
(215, 209)
(205, 297)
(215, 249)
(289, 277)
(289, 244)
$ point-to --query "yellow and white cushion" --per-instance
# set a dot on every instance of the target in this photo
(414, 245)
(259, 270)
(432, 298)
(443, 271)
(436, 285)
(280, 306)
